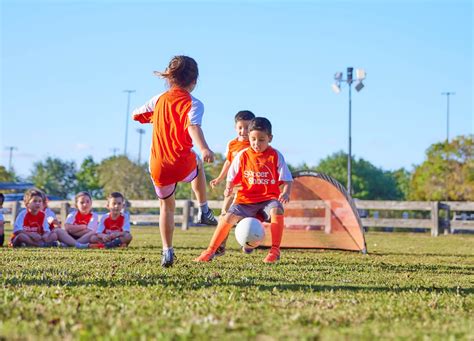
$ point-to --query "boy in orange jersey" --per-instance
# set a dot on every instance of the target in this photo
(2, 220)
(31, 227)
(242, 121)
(176, 117)
(114, 227)
(260, 170)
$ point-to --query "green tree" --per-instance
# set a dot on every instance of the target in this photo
(88, 178)
(368, 181)
(119, 174)
(6, 176)
(54, 176)
(447, 172)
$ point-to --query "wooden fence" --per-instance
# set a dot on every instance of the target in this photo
(187, 211)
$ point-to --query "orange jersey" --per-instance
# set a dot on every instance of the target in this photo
(259, 174)
(171, 156)
(235, 146)
(28, 222)
(107, 224)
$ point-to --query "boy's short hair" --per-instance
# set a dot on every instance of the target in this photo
(244, 115)
(261, 124)
(33, 192)
(115, 195)
(2, 198)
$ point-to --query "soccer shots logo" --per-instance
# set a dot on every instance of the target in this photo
(260, 177)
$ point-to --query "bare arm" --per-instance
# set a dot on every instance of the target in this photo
(198, 138)
(73, 228)
(222, 175)
(285, 193)
(228, 188)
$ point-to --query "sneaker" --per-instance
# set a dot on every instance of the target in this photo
(221, 249)
(247, 250)
(205, 256)
(272, 258)
(207, 218)
(168, 258)
(50, 244)
(114, 243)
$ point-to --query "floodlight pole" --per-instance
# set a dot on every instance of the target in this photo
(349, 156)
(10, 164)
(447, 94)
(127, 119)
(140, 131)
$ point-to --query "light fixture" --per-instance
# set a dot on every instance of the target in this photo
(360, 74)
(359, 86)
(336, 88)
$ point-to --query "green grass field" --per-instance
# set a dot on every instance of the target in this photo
(410, 286)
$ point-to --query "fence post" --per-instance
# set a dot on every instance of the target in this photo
(435, 219)
(15, 210)
(188, 206)
(64, 212)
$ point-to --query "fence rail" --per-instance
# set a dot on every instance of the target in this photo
(187, 211)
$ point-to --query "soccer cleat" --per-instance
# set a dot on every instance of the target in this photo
(167, 259)
(114, 243)
(206, 256)
(247, 250)
(50, 244)
(96, 246)
(271, 258)
(207, 218)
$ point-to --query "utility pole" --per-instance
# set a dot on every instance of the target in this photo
(447, 94)
(10, 164)
(127, 118)
(140, 132)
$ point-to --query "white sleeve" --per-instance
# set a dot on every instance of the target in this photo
(101, 227)
(126, 223)
(46, 224)
(19, 221)
(196, 112)
(283, 170)
(71, 217)
(234, 167)
(148, 106)
(94, 222)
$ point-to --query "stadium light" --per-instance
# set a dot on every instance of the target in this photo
(336, 87)
(127, 118)
(140, 131)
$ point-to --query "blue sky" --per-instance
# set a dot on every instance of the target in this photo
(65, 64)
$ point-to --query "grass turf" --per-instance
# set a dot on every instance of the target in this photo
(410, 286)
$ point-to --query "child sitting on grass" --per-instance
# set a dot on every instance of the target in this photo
(82, 223)
(2, 220)
(114, 227)
(31, 227)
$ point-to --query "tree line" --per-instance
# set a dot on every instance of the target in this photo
(447, 173)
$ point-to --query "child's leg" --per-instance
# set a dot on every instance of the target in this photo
(2, 233)
(221, 232)
(276, 228)
(167, 207)
(126, 238)
(198, 185)
(24, 239)
(86, 238)
(64, 237)
(50, 237)
(94, 238)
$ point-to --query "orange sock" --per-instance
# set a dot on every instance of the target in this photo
(276, 227)
(221, 233)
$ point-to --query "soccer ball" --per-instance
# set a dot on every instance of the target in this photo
(249, 233)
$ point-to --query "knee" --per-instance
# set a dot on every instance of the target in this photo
(276, 211)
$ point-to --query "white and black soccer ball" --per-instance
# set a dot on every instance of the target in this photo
(249, 232)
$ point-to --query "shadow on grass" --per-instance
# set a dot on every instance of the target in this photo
(180, 284)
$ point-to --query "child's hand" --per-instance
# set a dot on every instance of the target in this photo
(35, 236)
(284, 198)
(207, 155)
(214, 182)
